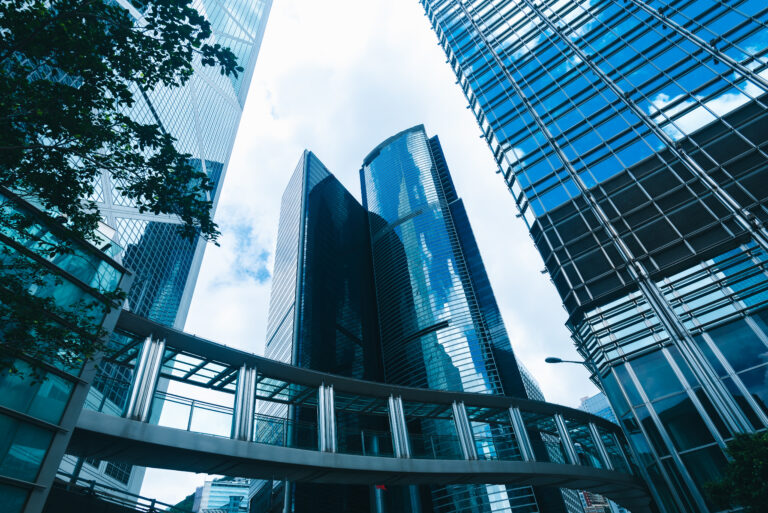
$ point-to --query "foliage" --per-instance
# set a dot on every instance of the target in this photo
(70, 74)
(745, 479)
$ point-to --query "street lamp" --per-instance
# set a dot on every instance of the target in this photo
(589, 365)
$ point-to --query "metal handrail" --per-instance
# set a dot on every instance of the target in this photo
(114, 495)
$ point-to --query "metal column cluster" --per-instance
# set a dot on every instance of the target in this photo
(464, 431)
(245, 404)
(145, 378)
(399, 428)
(326, 418)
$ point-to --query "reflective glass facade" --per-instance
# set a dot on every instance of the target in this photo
(203, 116)
(439, 323)
(322, 312)
(38, 413)
(395, 291)
(632, 136)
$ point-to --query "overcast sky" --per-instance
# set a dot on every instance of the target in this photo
(337, 77)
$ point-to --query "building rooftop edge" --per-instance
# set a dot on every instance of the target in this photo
(375, 152)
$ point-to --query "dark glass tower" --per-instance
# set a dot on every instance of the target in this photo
(322, 312)
(632, 136)
(391, 291)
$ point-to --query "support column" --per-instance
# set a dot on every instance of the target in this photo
(400, 441)
(464, 430)
(245, 404)
(600, 446)
(145, 377)
(326, 418)
(565, 438)
(521, 434)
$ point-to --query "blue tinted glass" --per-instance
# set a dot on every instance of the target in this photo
(683, 422)
(656, 376)
(740, 345)
(44, 400)
(22, 448)
(13, 498)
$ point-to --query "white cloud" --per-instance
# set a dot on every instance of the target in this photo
(338, 77)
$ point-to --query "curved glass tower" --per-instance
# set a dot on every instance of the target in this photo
(439, 323)
(632, 136)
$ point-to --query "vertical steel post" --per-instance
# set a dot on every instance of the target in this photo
(326, 419)
(521, 434)
(464, 430)
(399, 428)
(145, 378)
(565, 438)
(245, 404)
(601, 450)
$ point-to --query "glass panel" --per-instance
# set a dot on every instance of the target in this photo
(678, 484)
(586, 450)
(615, 396)
(660, 484)
(22, 448)
(44, 400)
(738, 396)
(756, 381)
(710, 355)
(714, 415)
(496, 440)
(359, 432)
(705, 466)
(434, 439)
(628, 385)
(544, 437)
(13, 498)
(650, 428)
(613, 450)
(683, 422)
(740, 345)
(655, 375)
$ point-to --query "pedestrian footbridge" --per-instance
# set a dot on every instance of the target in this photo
(324, 428)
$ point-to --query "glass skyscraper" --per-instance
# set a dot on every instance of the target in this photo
(393, 290)
(439, 323)
(632, 136)
(322, 314)
(203, 116)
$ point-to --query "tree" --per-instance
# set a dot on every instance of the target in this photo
(70, 70)
(745, 479)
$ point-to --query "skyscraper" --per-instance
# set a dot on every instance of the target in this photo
(439, 322)
(203, 116)
(632, 136)
(393, 290)
(322, 311)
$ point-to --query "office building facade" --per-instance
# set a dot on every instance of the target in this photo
(440, 326)
(322, 316)
(203, 117)
(393, 290)
(38, 411)
(632, 136)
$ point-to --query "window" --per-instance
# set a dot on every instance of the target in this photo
(119, 471)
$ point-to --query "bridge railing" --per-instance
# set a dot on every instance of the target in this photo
(334, 414)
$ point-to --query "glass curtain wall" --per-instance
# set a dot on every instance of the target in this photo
(322, 312)
(439, 322)
(203, 117)
(632, 136)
